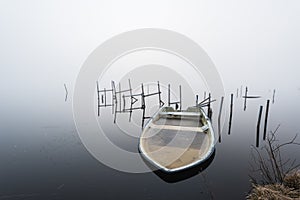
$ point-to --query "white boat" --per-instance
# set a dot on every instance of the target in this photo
(176, 140)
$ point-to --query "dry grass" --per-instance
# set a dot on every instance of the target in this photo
(292, 180)
(289, 190)
(280, 179)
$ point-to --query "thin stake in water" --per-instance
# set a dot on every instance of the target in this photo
(266, 119)
(230, 116)
(98, 97)
(66, 90)
(258, 125)
(169, 95)
(143, 105)
(219, 118)
(180, 98)
(245, 101)
(273, 98)
(120, 96)
(161, 103)
(208, 106)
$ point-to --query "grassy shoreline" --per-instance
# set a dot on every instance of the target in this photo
(288, 190)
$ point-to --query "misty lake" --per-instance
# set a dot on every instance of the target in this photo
(200, 45)
(42, 156)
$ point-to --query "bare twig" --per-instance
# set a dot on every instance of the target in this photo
(269, 162)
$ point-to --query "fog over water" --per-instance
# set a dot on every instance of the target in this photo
(45, 43)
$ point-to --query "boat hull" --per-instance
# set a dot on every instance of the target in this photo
(176, 140)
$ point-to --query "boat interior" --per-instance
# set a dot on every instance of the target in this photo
(175, 139)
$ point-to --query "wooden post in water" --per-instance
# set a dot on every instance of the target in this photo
(159, 95)
(230, 116)
(197, 99)
(266, 119)
(169, 95)
(258, 126)
(180, 98)
(131, 100)
(124, 103)
(120, 96)
(237, 92)
(208, 106)
(98, 104)
(219, 118)
(66, 90)
(104, 96)
(273, 98)
(245, 101)
(210, 113)
(143, 105)
(113, 96)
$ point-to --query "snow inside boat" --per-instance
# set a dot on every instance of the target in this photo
(176, 140)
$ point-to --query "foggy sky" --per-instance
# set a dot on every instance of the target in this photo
(44, 43)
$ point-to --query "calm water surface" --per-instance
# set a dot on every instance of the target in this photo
(42, 156)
